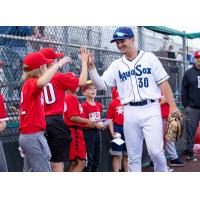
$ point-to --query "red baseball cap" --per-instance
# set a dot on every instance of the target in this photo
(84, 87)
(35, 60)
(50, 53)
(197, 54)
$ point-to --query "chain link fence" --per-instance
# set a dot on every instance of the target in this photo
(16, 42)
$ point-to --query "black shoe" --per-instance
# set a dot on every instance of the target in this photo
(190, 155)
(176, 163)
(191, 158)
(151, 165)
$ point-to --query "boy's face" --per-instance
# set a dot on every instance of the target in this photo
(91, 91)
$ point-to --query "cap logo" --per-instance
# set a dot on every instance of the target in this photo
(120, 34)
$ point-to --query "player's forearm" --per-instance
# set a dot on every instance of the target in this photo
(80, 120)
(47, 76)
(2, 125)
(83, 75)
(167, 93)
(97, 80)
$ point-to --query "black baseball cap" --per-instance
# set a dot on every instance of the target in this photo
(122, 33)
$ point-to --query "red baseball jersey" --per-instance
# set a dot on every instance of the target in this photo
(165, 110)
(54, 92)
(116, 112)
(32, 117)
(73, 108)
(3, 114)
(92, 112)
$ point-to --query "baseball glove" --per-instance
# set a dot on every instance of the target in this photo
(174, 127)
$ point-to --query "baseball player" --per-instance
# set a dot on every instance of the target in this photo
(116, 113)
(58, 134)
(92, 136)
(75, 120)
(32, 119)
(139, 77)
(3, 119)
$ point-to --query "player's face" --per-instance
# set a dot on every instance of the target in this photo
(197, 62)
(91, 91)
(125, 46)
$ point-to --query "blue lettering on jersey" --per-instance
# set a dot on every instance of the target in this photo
(138, 71)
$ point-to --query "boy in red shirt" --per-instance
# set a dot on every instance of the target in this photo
(32, 119)
(58, 134)
(169, 146)
(92, 111)
(3, 119)
(75, 120)
(116, 113)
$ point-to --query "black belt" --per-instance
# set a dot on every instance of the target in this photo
(140, 103)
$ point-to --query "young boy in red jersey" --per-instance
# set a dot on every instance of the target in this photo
(75, 120)
(92, 111)
(3, 119)
(116, 113)
(169, 146)
(32, 119)
(58, 134)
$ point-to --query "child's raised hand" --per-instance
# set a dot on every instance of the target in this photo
(64, 61)
(84, 54)
(91, 61)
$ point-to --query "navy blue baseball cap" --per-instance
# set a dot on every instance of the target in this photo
(122, 33)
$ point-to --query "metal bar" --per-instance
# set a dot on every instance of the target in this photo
(32, 39)
(184, 54)
(140, 38)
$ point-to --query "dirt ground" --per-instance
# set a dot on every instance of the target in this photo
(190, 166)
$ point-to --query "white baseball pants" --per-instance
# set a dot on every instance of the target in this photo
(144, 122)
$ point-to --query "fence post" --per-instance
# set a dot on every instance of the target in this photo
(184, 54)
(140, 38)
(66, 36)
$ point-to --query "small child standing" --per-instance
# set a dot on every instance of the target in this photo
(169, 146)
(58, 134)
(92, 111)
(118, 152)
(3, 119)
(32, 119)
(75, 120)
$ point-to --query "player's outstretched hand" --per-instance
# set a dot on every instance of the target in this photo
(84, 54)
(91, 61)
(64, 61)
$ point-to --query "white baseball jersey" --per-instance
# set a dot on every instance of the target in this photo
(136, 80)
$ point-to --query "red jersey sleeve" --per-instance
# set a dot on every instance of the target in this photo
(67, 81)
(31, 86)
(72, 106)
(3, 114)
